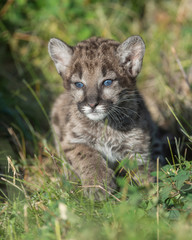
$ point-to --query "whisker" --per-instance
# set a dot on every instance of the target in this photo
(126, 108)
(114, 120)
(120, 114)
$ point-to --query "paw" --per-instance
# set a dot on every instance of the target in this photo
(100, 187)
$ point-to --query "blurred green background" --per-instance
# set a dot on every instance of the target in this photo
(26, 68)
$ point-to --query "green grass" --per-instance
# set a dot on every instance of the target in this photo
(37, 202)
(46, 206)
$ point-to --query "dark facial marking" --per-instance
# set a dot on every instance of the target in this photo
(104, 70)
(78, 69)
(108, 65)
(104, 49)
(56, 119)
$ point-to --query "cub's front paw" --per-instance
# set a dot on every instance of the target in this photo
(100, 187)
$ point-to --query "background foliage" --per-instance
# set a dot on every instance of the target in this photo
(28, 86)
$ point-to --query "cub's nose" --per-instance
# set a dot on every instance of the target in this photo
(93, 104)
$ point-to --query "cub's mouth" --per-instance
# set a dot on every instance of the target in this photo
(96, 116)
(94, 112)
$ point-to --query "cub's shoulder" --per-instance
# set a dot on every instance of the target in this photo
(60, 108)
(63, 100)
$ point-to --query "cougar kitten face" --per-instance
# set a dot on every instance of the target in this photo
(95, 99)
(100, 74)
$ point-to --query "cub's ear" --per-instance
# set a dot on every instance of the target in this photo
(60, 53)
(131, 53)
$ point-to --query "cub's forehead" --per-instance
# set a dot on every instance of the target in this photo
(94, 55)
(95, 42)
(93, 69)
(95, 47)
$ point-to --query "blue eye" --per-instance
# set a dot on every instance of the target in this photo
(107, 82)
(79, 84)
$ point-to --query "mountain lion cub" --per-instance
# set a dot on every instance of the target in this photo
(101, 118)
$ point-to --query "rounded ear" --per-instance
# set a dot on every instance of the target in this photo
(131, 53)
(60, 53)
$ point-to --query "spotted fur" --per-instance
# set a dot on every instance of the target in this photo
(96, 126)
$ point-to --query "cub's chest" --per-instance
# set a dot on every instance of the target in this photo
(110, 151)
(115, 145)
(133, 145)
(108, 142)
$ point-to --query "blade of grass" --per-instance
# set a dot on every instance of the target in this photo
(34, 134)
(38, 101)
(170, 148)
(171, 109)
(180, 67)
(10, 164)
(22, 145)
(157, 213)
(5, 180)
(181, 125)
(57, 230)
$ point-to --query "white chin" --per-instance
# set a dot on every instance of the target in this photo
(96, 116)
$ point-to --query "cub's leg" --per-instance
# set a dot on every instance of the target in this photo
(92, 169)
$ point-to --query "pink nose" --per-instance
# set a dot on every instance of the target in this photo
(93, 105)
